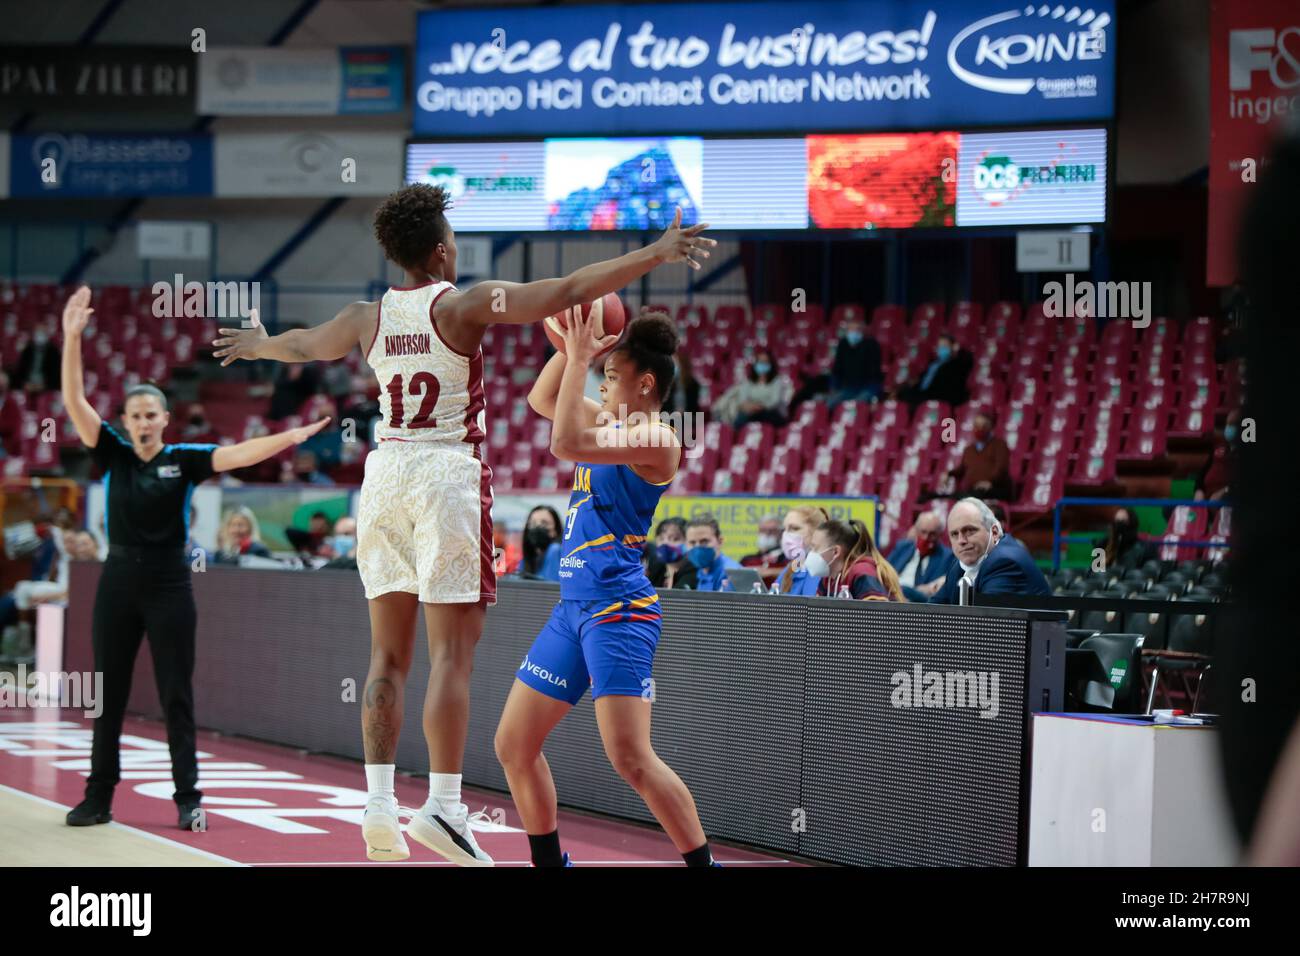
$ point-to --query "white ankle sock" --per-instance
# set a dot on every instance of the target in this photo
(379, 779)
(445, 788)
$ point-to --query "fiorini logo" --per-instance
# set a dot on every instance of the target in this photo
(1002, 52)
(457, 184)
(998, 179)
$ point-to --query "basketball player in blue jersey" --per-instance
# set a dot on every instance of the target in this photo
(604, 631)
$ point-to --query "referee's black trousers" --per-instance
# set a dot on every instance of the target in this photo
(145, 591)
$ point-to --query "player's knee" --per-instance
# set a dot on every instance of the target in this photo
(511, 749)
(630, 761)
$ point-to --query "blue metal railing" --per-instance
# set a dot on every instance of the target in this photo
(1063, 503)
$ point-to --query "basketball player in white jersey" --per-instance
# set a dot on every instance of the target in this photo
(424, 524)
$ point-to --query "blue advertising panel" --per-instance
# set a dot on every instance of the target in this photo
(731, 67)
(95, 165)
(374, 79)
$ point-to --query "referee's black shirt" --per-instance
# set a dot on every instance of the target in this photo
(148, 502)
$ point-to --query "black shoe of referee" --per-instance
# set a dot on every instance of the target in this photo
(89, 812)
(192, 817)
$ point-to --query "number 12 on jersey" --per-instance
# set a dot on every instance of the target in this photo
(424, 384)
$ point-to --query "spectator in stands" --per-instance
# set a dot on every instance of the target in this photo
(985, 468)
(1214, 479)
(991, 562)
(11, 421)
(921, 559)
(769, 558)
(762, 396)
(704, 552)
(665, 559)
(844, 556)
(295, 383)
(541, 545)
(360, 406)
(855, 373)
(72, 546)
(684, 396)
(198, 428)
(38, 364)
(239, 535)
(306, 471)
(1124, 549)
(343, 545)
(944, 378)
(796, 537)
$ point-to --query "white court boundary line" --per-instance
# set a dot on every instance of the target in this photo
(130, 829)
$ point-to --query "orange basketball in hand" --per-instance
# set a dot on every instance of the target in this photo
(609, 315)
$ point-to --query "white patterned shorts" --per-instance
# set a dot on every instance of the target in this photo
(424, 524)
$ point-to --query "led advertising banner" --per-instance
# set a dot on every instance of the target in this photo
(1037, 176)
(929, 180)
(761, 66)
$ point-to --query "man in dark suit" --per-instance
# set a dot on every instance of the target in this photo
(921, 559)
(944, 379)
(991, 562)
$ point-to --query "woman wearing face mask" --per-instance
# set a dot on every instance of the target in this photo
(665, 558)
(843, 555)
(1123, 548)
(762, 397)
(541, 545)
(796, 536)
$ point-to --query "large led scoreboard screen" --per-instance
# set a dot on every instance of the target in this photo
(826, 182)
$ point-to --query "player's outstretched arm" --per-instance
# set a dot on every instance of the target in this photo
(230, 457)
(84, 417)
(575, 438)
(518, 303)
(327, 341)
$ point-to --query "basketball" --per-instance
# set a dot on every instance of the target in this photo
(610, 317)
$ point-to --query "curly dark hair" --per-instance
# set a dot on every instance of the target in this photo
(411, 222)
(650, 342)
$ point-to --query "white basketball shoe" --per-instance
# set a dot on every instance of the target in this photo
(445, 829)
(383, 831)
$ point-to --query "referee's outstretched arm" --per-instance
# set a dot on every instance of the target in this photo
(87, 421)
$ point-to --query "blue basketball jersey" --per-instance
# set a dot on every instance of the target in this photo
(605, 528)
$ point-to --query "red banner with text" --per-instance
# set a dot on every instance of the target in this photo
(1254, 92)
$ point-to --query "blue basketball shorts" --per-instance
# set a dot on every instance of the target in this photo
(606, 645)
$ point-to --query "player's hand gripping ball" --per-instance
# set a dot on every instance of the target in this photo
(607, 312)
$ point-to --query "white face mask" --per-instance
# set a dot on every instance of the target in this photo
(997, 527)
(768, 542)
(792, 546)
(816, 565)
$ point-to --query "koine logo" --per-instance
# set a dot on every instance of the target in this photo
(999, 53)
(449, 179)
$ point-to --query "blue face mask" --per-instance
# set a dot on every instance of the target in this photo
(944, 353)
(762, 368)
(1230, 432)
(702, 557)
(343, 544)
(853, 338)
(668, 553)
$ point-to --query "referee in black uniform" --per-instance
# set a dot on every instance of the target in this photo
(145, 586)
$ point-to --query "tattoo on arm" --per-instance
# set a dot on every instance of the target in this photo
(381, 719)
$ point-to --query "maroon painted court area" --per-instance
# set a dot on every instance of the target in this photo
(272, 806)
